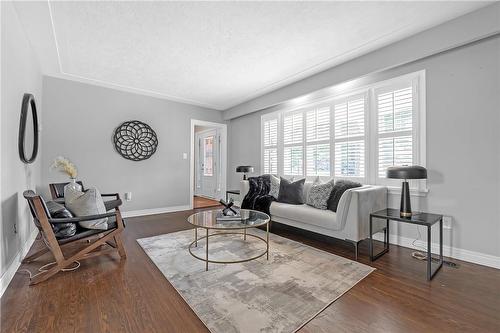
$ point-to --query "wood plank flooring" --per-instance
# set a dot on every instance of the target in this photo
(200, 202)
(109, 295)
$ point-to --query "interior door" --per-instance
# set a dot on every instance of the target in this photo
(207, 168)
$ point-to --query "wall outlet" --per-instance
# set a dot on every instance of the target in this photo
(447, 222)
(184, 156)
(128, 196)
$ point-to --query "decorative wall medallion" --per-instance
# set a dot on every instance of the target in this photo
(28, 139)
(135, 140)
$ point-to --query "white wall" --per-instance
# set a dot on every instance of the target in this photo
(20, 74)
(79, 122)
(463, 98)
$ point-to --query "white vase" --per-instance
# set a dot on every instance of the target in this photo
(73, 185)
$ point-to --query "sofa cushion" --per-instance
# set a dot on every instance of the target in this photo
(338, 190)
(319, 194)
(291, 193)
(305, 214)
(275, 187)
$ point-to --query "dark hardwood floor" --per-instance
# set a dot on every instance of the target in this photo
(109, 295)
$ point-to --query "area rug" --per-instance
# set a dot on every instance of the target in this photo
(277, 295)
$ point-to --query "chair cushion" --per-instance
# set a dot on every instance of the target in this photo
(61, 230)
(305, 214)
(82, 232)
(87, 203)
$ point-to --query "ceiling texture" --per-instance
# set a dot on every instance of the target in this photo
(216, 54)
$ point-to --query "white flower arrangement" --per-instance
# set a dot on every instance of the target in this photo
(64, 165)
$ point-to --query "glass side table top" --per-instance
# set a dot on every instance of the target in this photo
(207, 219)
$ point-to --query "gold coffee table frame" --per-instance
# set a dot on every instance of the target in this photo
(207, 220)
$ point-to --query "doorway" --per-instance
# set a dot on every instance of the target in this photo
(208, 163)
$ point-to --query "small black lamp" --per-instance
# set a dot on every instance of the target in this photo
(406, 172)
(244, 169)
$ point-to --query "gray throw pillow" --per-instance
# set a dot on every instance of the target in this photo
(275, 187)
(87, 203)
(291, 193)
(338, 189)
(319, 194)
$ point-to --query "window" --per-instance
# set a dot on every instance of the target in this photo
(318, 141)
(208, 156)
(270, 142)
(356, 135)
(350, 137)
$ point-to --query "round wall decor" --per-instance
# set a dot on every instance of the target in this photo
(28, 139)
(135, 140)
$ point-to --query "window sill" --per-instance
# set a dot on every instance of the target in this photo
(413, 191)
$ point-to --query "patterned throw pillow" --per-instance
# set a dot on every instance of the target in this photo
(319, 194)
(275, 187)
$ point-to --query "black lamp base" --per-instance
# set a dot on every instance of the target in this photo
(405, 210)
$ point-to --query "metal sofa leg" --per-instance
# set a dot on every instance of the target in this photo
(356, 249)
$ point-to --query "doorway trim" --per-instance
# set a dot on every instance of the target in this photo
(223, 155)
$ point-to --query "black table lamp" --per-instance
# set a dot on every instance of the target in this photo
(244, 169)
(406, 172)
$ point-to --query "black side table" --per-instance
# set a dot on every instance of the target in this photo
(418, 218)
(237, 192)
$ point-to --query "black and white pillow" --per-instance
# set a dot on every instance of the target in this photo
(319, 194)
(275, 187)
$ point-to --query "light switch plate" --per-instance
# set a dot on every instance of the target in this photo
(184, 156)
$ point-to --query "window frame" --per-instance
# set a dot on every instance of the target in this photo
(371, 137)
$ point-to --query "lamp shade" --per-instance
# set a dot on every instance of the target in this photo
(407, 172)
(244, 168)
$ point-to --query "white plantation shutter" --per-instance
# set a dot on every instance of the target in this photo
(394, 127)
(356, 135)
(270, 142)
(349, 120)
(318, 141)
(293, 128)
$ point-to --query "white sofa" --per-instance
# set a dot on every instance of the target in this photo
(350, 222)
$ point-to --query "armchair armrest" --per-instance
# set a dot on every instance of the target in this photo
(81, 218)
(116, 195)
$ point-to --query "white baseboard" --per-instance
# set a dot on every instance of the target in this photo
(448, 251)
(11, 271)
(153, 211)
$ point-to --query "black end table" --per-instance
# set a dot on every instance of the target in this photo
(237, 192)
(418, 218)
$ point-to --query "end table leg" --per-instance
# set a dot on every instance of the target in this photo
(245, 234)
(267, 240)
(206, 263)
(441, 240)
(371, 240)
(196, 237)
(387, 229)
(429, 254)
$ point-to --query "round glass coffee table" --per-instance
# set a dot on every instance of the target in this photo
(207, 220)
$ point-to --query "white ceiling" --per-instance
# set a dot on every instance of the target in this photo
(216, 54)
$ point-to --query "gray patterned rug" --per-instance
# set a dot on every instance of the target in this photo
(279, 295)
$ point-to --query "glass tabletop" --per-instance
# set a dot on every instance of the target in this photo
(207, 219)
(416, 218)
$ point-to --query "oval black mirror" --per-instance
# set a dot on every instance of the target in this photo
(28, 130)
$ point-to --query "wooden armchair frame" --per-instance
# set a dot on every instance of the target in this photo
(111, 238)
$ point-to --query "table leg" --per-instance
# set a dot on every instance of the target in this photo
(430, 272)
(267, 239)
(429, 254)
(386, 241)
(206, 263)
(196, 237)
(371, 239)
(245, 234)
